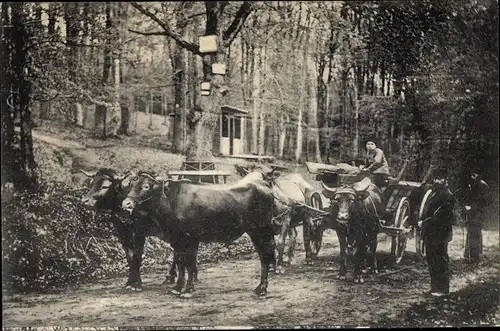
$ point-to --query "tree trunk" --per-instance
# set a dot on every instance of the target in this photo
(356, 116)
(255, 99)
(313, 108)
(179, 67)
(282, 138)
(262, 115)
(122, 16)
(71, 17)
(18, 163)
(101, 111)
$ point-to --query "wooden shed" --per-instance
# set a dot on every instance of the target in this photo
(229, 135)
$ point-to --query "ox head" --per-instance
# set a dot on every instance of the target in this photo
(106, 189)
(144, 189)
(259, 172)
(344, 199)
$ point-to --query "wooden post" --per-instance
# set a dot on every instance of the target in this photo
(151, 109)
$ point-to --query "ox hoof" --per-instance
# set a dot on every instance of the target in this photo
(133, 287)
(280, 270)
(169, 281)
(272, 268)
(359, 280)
(175, 292)
(309, 262)
(187, 295)
(260, 292)
(341, 277)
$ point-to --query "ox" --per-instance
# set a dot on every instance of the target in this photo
(287, 214)
(356, 221)
(105, 195)
(189, 214)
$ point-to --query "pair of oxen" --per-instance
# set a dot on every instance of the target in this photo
(183, 213)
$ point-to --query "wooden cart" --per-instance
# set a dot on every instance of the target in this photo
(399, 198)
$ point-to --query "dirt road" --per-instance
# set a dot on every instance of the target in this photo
(304, 295)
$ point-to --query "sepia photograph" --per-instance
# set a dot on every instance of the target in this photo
(250, 164)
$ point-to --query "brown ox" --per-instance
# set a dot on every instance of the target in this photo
(288, 190)
(106, 194)
(358, 208)
(189, 214)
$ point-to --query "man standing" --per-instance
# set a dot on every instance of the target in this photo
(437, 232)
(478, 200)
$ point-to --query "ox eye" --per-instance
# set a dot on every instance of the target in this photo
(105, 187)
(145, 187)
(136, 178)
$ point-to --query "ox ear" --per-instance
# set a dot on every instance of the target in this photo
(89, 173)
(362, 195)
(126, 180)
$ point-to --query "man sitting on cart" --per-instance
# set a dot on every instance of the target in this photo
(376, 164)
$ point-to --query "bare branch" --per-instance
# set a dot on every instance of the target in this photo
(239, 20)
(195, 15)
(153, 33)
(193, 48)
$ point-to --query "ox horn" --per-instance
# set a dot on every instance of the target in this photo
(120, 178)
(89, 173)
(329, 189)
(9, 103)
(145, 174)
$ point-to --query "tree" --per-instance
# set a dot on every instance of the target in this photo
(18, 163)
(205, 117)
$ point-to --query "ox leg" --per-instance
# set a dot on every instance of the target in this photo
(342, 237)
(191, 267)
(372, 249)
(195, 267)
(292, 235)
(180, 262)
(359, 260)
(172, 273)
(281, 243)
(306, 235)
(263, 241)
(133, 245)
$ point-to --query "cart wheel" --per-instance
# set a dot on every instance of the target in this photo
(317, 234)
(401, 221)
(419, 242)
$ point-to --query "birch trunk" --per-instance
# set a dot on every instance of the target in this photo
(313, 108)
(356, 116)
(255, 100)
(282, 138)
(261, 102)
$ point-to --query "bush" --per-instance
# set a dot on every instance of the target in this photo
(50, 239)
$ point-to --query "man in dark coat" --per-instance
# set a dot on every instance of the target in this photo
(437, 232)
(478, 203)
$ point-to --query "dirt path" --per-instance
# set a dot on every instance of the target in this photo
(304, 295)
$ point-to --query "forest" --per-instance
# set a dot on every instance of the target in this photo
(124, 85)
(316, 78)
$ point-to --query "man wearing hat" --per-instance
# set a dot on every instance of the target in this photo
(437, 232)
(376, 164)
(478, 203)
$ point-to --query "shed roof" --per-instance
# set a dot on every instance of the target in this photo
(231, 109)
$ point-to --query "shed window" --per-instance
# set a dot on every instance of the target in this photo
(225, 127)
(237, 128)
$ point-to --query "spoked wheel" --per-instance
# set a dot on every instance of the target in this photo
(419, 242)
(401, 221)
(317, 233)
